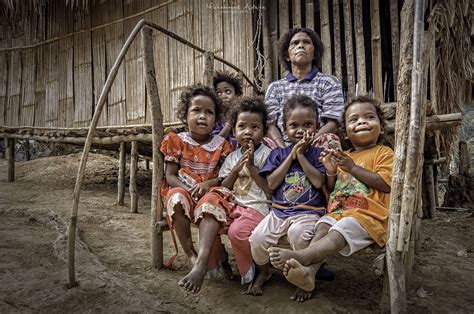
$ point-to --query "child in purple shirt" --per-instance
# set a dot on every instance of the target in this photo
(296, 176)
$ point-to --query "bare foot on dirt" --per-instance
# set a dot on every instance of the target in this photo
(193, 280)
(279, 256)
(301, 295)
(301, 276)
(255, 287)
(227, 270)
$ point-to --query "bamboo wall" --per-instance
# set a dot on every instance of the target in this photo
(57, 84)
(360, 38)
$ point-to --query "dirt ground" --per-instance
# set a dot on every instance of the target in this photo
(113, 255)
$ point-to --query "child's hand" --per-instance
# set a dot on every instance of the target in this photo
(241, 163)
(326, 158)
(303, 144)
(343, 160)
(249, 153)
(199, 190)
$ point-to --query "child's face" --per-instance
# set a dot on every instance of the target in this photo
(362, 125)
(299, 121)
(201, 117)
(225, 92)
(249, 128)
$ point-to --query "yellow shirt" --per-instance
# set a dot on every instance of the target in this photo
(352, 198)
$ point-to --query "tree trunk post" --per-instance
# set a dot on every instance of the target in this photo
(121, 175)
(156, 215)
(10, 146)
(133, 178)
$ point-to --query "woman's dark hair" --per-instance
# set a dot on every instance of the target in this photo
(192, 91)
(284, 44)
(253, 104)
(378, 109)
(299, 101)
(232, 79)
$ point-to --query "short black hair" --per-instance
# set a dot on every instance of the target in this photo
(299, 101)
(378, 109)
(284, 43)
(253, 104)
(192, 91)
(232, 79)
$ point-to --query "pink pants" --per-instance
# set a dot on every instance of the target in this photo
(243, 222)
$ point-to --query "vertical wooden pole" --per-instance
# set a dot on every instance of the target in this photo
(156, 215)
(208, 67)
(325, 36)
(284, 22)
(296, 11)
(121, 175)
(133, 178)
(395, 42)
(376, 50)
(429, 184)
(147, 164)
(10, 143)
(349, 49)
(395, 258)
(272, 9)
(27, 150)
(337, 40)
(267, 45)
(360, 48)
(309, 14)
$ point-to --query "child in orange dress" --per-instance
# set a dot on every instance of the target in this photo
(359, 181)
(192, 161)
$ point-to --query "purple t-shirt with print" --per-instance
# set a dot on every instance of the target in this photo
(296, 195)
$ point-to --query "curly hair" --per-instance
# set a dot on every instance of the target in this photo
(378, 109)
(284, 44)
(253, 104)
(299, 101)
(232, 79)
(192, 91)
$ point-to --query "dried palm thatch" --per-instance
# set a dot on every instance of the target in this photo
(13, 10)
(451, 24)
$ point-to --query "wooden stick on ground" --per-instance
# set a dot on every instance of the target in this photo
(133, 178)
(121, 175)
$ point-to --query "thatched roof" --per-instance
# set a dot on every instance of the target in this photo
(452, 23)
(11, 10)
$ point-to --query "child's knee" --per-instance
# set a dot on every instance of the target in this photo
(237, 233)
(298, 235)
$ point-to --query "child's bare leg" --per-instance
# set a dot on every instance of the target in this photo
(304, 277)
(208, 229)
(182, 226)
(263, 274)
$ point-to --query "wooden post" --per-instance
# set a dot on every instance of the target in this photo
(156, 215)
(296, 11)
(208, 67)
(10, 146)
(283, 22)
(337, 40)
(325, 36)
(429, 184)
(133, 178)
(349, 49)
(395, 42)
(376, 50)
(395, 259)
(360, 48)
(147, 164)
(416, 133)
(267, 46)
(309, 14)
(121, 175)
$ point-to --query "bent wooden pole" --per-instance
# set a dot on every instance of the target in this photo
(156, 221)
(85, 153)
(133, 178)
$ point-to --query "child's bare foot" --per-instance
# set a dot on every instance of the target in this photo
(279, 256)
(300, 295)
(255, 287)
(301, 276)
(227, 270)
(193, 280)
